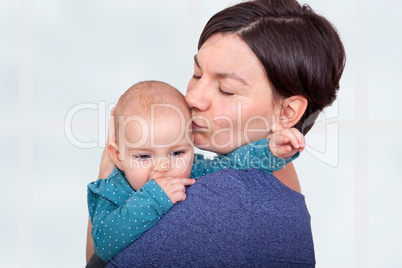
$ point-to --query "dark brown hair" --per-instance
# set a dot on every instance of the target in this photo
(300, 50)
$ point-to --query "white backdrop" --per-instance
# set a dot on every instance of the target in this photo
(57, 54)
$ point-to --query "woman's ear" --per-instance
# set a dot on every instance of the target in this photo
(292, 110)
(115, 154)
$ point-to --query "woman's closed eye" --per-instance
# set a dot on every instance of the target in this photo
(196, 77)
(226, 93)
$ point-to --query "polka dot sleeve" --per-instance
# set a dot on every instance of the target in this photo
(119, 216)
(255, 155)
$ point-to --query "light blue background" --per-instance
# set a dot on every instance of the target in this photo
(92, 51)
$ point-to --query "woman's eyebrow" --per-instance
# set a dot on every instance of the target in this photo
(233, 76)
(225, 75)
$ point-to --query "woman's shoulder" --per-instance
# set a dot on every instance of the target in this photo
(248, 180)
(230, 217)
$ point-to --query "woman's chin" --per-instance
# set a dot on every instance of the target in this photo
(202, 142)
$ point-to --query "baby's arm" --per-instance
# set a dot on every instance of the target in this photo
(119, 218)
(285, 145)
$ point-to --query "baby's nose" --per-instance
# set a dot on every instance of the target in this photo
(162, 164)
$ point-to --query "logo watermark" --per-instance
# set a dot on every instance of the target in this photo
(327, 151)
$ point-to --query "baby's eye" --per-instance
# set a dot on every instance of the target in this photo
(143, 156)
(177, 153)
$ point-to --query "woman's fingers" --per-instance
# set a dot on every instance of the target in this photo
(112, 134)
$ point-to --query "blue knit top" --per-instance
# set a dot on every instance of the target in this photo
(119, 215)
(231, 218)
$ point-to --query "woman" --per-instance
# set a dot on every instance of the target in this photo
(261, 66)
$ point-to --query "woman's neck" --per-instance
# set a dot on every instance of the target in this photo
(288, 177)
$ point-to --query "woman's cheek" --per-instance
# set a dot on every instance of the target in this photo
(255, 127)
(191, 84)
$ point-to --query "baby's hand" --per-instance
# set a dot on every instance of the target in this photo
(286, 142)
(175, 188)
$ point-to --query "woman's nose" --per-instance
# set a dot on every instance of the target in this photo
(197, 97)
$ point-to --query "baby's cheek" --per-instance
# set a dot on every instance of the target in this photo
(137, 177)
(183, 167)
(189, 164)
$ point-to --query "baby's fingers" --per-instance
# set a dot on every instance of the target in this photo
(187, 181)
(280, 140)
(178, 196)
(298, 138)
(288, 137)
(284, 151)
(295, 137)
(184, 181)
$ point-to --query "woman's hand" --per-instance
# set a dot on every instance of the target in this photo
(107, 165)
(286, 142)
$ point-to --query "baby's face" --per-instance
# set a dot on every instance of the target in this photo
(157, 148)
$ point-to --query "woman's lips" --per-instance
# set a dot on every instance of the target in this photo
(197, 127)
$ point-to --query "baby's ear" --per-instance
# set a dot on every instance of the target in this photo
(115, 154)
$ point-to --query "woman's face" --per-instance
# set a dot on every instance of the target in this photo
(229, 95)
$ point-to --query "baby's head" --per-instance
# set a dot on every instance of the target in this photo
(153, 133)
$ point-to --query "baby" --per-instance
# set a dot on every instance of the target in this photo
(155, 160)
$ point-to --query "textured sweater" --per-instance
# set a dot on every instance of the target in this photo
(119, 215)
(231, 218)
